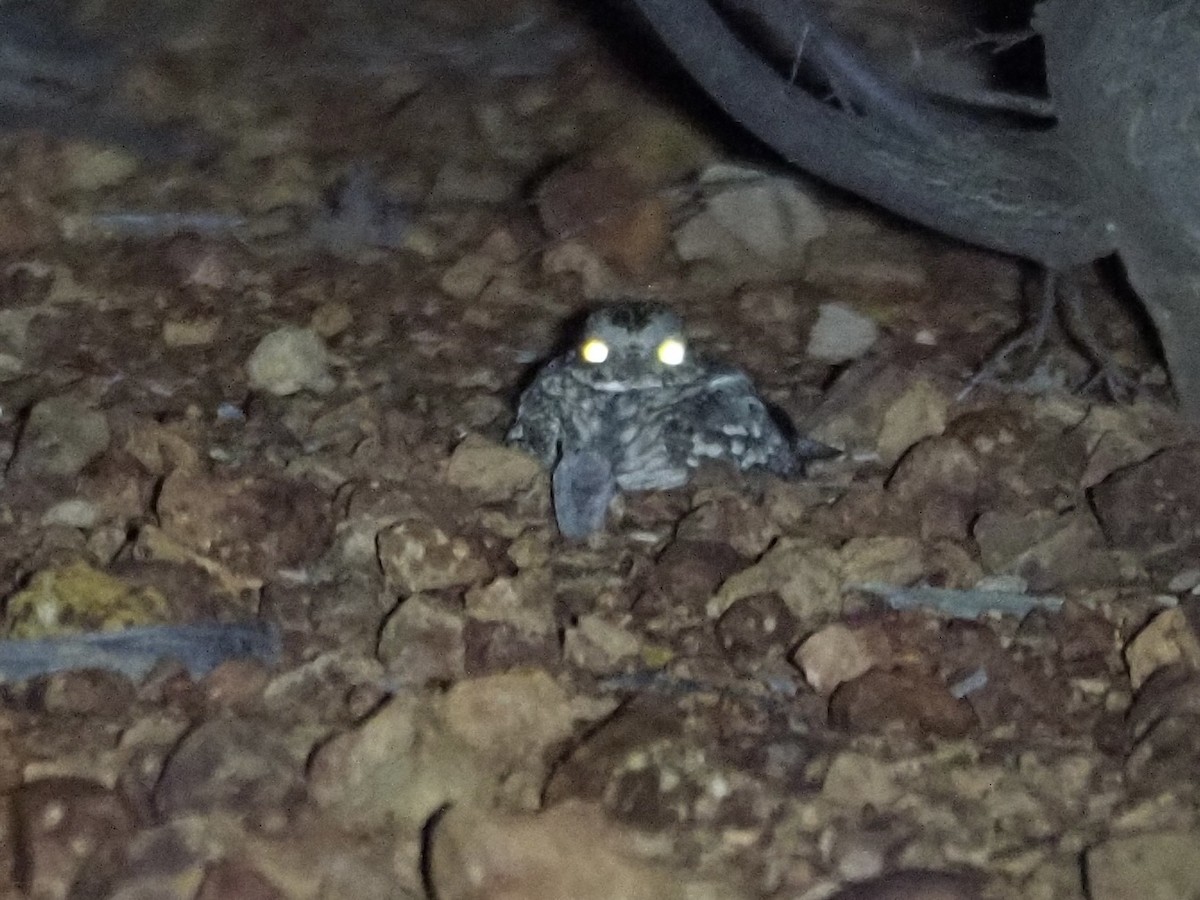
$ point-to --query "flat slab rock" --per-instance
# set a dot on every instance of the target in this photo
(1154, 505)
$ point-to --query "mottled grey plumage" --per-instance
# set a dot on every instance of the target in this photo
(652, 421)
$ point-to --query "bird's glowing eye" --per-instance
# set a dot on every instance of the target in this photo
(594, 351)
(671, 352)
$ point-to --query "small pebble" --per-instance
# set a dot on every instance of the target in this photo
(840, 334)
(290, 360)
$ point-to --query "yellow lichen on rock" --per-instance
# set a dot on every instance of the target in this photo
(76, 597)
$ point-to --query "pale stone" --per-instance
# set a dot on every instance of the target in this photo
(855, 780)
(290, 360)
(832, 656)
(806, 576)
(1167, 640)
(918, 413)
(493, 472)
(840, 334)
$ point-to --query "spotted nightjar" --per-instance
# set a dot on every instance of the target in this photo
(633, 408)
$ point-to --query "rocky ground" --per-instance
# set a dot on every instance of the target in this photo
(257, 358)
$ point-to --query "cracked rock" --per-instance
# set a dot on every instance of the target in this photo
(418, 556)
(61, 436)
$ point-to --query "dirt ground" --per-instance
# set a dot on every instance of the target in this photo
(272, 277)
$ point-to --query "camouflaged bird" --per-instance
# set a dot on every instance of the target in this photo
(631, 407)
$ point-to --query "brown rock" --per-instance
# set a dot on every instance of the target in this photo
(87, 692)
(331, 319)
(1047, 549)
(418, 556)
(686, 575)
(401, 765)
(567, 851)
(1015, 687)
(857, 780)
(1084, 635)
(756, 629)
(346, 612)
(806, 576)
(645, 721)
(469, 275)
(571, 199)
(118, 487)
(1161, 728)
(20, 229)
(350, 428)
(846, 517)
(1118, 436)
(750, 221)
(837, 654)
(937, 481)
(790, 504)
(729, 519)
(492, 472)
(524, 601)
(951, 565)
(853, 409)
(607, 209)
(236, 684)
(1155, 865)
(192, 260)
(252, 524)
(917, 701)
(776, 307)
(60, 823)
(892, 560)
(654, 145)
(289, 360)
(159, 448)
(511, 622)
(314, 689)
(1154, 506)
(12, 764)
(8, 857)
(490, 647)
(60, 437)
(531, 549)
(240, 766)
(228, 880)
(599, 646)
(1172, 691)
(422, 641)
(190, 332)
(919, 412)
(1153, 503)
(595, 278)
(513, 717)
(167, 862)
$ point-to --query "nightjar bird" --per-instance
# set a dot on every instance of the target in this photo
(632, 408)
